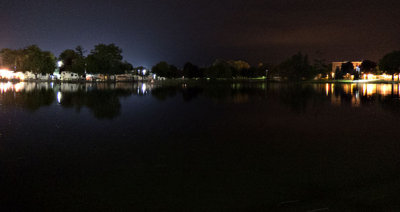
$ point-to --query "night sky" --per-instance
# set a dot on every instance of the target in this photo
(201, 31)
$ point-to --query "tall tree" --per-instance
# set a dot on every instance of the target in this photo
(390, 63)
(73, 61)
(13, 59)
(368, 66)
(219, 69)
(296, 68)
(161, 69)
(191, 71)
(347, 68)
(38, 61)
(105, 59)
(320, 66)
(240, 68)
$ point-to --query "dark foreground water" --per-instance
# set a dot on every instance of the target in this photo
(199, 147)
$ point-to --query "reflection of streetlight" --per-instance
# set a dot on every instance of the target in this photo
(59, 97)
(143, 88)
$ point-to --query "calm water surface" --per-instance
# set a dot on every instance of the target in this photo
(199, 147)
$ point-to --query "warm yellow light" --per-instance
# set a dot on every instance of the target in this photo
(19, 75)
(4, 87)
(371, 89)
(371, 76)
(8, 86)
(19, 86)
(6, 74)
(385, 89)
(327, 89)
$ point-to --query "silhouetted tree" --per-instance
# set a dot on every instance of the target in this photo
(390, 63)
(219, 69)
(31, 58)
(296, 68)
(338, 73)
(73, 61)
(12, 59)
(105, 59)
(191, 71)
(347, 68)
(38, 61)
(161, 69)
(368, 66)
(320, 67)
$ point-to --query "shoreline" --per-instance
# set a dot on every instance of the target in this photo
(173, 81)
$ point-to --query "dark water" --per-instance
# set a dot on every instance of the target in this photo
(199, 147)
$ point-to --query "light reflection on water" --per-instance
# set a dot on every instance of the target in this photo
(359, 91)
(353, 89)
(363, 89)
(302, 141)
(296, 95)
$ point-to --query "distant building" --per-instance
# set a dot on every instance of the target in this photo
(29, 75)
(67, 76)
(336, 65)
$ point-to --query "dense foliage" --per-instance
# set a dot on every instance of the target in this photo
(390, 63)
(368, 66)
(73, 61)
(31, 58)
(108, 60)
(296, 67)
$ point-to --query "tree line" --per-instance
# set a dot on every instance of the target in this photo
(103, 59)
(389, 64)
(108, 60)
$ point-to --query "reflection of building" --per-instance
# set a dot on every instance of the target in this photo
(70, 87)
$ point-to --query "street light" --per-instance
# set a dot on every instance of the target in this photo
(60, 63)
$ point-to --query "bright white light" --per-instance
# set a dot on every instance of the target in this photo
(19, 86)
(4, 87)
(154, 76)
(59, 97)
(143, 88)
(60, 63)
(19, 75)
(144, 72)
(6, 74)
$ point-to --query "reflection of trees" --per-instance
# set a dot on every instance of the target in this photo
(163, 93)
(103, 100)
(390, 103)
(104, 104)
(31, 100)
(191, 93)
(300, 96)
(228, 92)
